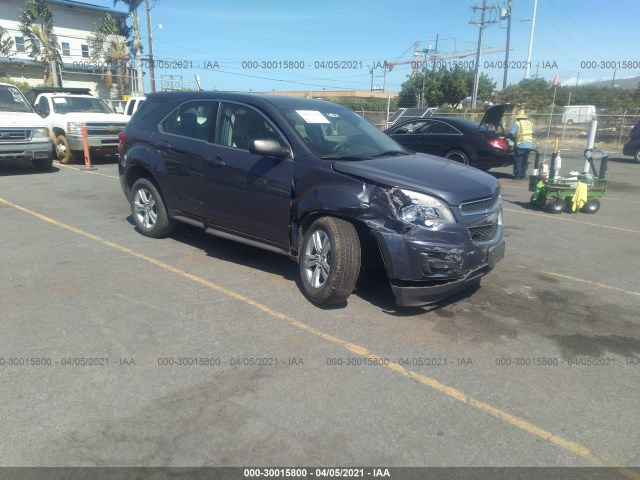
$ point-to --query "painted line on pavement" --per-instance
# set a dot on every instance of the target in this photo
(429, 382)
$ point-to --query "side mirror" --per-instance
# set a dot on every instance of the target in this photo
(269, 148)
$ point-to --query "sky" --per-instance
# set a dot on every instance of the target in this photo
(253, 45)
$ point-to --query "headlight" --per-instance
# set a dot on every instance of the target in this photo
(74, 128)
(421, 209)
(39, 133)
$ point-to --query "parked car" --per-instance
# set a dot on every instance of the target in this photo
(632, 147)
(23, 134)
(316, 182)
(482, 145)
(132, 105)
(66, 110)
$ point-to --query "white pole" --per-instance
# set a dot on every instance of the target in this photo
(533, 27)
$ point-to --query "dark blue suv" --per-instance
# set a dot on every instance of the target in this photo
(314, 181)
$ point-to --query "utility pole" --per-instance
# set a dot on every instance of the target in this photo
(533, 27)
(506, 55)
(481, 24)
(152, 71)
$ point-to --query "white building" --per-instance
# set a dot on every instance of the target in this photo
(73, 23)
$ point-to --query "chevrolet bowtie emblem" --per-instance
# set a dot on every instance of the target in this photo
(113, 128)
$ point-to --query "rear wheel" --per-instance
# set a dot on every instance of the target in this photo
(538, 201)
(63, 152)
(636, 155)
(330, 261)
(592, 206)
(149, 211)
(457, 156)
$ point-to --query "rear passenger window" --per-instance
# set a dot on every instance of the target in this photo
(240, 125)
(193, 120)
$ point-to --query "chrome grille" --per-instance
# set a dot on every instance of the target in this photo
(13, 135)
(483, 205)
(105, 129)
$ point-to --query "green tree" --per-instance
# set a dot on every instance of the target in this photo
(36, 25)
(108, 47)
(443, 87)
(6, 45)
(133, 6)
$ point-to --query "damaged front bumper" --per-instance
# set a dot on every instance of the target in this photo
(423, 272)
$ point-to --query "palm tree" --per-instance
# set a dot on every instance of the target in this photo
(137, 43)
(36, 25)
(108, 46)
(6, 45)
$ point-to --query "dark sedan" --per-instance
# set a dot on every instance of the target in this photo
(632, 147)
(480, 145)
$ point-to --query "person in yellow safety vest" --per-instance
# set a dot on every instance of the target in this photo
(522, 134)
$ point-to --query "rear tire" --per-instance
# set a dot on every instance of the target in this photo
(636, 155)
(329, 261)
(538, 201)
(592, 206)
(149, 211)
(457, 156)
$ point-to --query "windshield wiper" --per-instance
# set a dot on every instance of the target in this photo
(389, 153)
(335, 156)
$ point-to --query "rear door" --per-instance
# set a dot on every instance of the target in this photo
(247, 193)
(184, 141)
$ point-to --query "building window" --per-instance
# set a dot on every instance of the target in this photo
(85, 51)
(19, 44)
(66, 49)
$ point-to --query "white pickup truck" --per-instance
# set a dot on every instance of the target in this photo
(23, 134)
(66, 110)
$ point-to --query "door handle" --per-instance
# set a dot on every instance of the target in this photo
(215, 162)
(162, 145)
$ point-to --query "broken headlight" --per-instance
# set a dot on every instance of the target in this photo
(421, 209)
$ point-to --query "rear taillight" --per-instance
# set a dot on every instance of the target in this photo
(122, 137)
(632, 135)
(499, 144)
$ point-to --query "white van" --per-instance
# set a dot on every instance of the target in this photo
(578, 114)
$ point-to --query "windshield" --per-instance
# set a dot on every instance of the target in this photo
(11, 100)
(338, 133)
(68, 104)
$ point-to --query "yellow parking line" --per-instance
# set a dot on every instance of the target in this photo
(85, 170)
(582, 280)
(429, 382)
(565, 219)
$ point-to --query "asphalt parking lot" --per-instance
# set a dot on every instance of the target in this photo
(120, 350)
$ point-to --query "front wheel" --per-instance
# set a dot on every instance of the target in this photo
(538, 200)
(636, 155)
(558, 205)
(329, 261)
(457, 156)
(42, 164)
(63, 152)
(149, 211)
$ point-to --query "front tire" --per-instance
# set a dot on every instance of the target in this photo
(42, 164)
(558, 205)
(63, 152)
(457, 156)
(149, 211)
(330, 261)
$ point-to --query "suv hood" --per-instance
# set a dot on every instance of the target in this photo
(493, 115)
(21, 119)
(453, 182)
